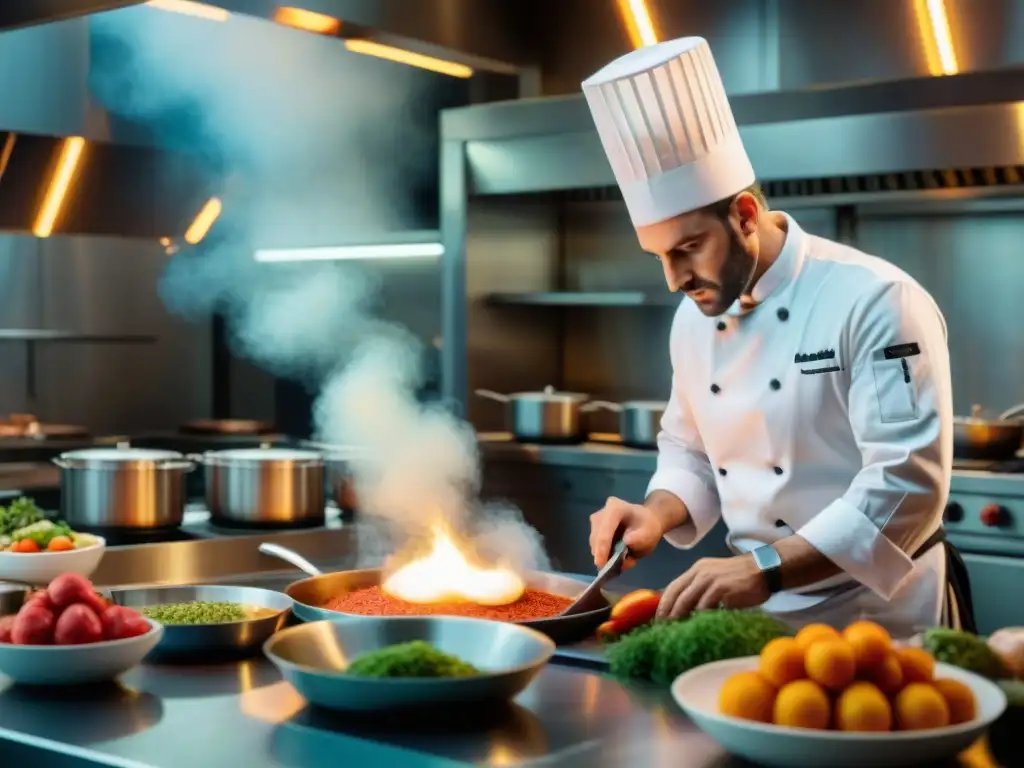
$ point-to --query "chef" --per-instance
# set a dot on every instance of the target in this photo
(811, 404)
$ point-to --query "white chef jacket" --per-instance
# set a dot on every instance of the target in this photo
(826, 411)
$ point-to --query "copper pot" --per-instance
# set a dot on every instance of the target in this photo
(975, 437)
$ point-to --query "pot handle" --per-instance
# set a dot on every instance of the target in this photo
(492, 395)
(58, 461)
(601, 405)
(1013, 412)
(290, 556)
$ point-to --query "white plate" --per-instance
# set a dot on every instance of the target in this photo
(40, 568)
(76, 664)
(696, 692)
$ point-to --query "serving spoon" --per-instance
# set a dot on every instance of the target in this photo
(290, 556)
(591, 599)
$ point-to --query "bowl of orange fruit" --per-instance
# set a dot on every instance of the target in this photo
(844, 699)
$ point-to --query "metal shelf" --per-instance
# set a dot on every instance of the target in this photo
(581, 299)
(30, 334)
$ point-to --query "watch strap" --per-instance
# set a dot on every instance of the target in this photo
(769, 561)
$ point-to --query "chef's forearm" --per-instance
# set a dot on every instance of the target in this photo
(802, 564)
(668, 508)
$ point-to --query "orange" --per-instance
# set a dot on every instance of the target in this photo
(862, 707)
(870, 643)
(960, 700)
(831, 664)
(747, 695)
(917, 664)
(920, 706)
(803, 704)
(812, 633)
(888, 675)
(782, 661)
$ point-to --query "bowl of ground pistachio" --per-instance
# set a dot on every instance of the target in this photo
(208, 621)
(406, 663)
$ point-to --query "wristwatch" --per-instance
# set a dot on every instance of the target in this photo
(770, 563)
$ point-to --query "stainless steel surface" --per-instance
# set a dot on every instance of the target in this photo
(639, 420)
(314, 657)
(12, 597)
(291, 557)
(256, 485)
(122, 488)
(312, 593)
(546, 417)
(975, 437)
(592, 593)
(204, 641)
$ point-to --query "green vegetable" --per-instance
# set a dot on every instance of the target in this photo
(42, 532)
(664, 650)
(964, 650)
(415, 659)
(195, 613)
(1014, 690)
(20, 514)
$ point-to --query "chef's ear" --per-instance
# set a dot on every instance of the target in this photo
(747, 211)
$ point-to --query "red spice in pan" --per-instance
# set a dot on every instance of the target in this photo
(372, 601)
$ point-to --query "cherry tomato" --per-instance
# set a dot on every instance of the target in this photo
(60, 544)
(25, 546)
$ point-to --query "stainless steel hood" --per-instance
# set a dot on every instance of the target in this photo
(56, 185)
(26, 13)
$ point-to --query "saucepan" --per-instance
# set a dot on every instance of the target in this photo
(976, 437)
(309, 595)
(639, 420)
(542, 417)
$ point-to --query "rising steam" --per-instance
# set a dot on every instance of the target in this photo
(265, 103)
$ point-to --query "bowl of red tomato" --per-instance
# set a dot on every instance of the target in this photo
(35, 550)
(67, 634)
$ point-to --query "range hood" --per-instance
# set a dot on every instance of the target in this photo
(68, 185)
(26, 13)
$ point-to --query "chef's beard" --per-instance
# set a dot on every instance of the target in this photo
(735, 279)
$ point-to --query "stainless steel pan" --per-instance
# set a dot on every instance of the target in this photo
(542, 417)
(639, 420)
(310, 594)
(976, 437)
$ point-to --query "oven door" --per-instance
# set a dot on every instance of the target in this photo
(995, 587)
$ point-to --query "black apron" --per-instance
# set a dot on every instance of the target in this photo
(958, 590)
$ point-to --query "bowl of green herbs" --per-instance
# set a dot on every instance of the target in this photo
(208, 621)
(404, 663)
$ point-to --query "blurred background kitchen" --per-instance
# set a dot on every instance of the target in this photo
(443, 146)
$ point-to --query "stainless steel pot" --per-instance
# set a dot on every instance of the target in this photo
(639, 420)
(264, 486)
(338, 471)
(542, 417)
(122, 488)
(975, 437)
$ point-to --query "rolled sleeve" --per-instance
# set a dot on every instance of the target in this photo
(901, 414)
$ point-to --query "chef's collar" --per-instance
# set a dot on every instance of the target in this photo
(782, 272)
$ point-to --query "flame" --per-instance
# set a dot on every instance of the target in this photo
(445, 575)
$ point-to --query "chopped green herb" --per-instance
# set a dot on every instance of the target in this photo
(964, 650)
(414, 659)
(195, 613)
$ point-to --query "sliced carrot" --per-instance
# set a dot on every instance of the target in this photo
(60, 544)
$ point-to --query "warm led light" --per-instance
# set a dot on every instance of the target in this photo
(937, 37)
(7, 151)
(310, 21)
(402, 56)
(349, 252)
(638, 23)
(189, 8)
(67, 164)
(204, 220)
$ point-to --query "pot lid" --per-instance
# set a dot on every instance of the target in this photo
(120, 454)
(262, 454)
(647, 405)
(550, 393)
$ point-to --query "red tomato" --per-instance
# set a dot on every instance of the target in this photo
(60, 544)
(42, 597)
(70, 588)
(120, 623)
(78, 625)
(635, 609)
(25, 546)
(33, 626)
(6, 625)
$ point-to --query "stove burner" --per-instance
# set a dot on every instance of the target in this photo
(120, 537)
(238, 525)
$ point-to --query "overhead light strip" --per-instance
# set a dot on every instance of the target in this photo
(6, 152)
(309, 21)
(402, 56)
(637, 20)
(938, 21)
(189, 8)
(67, 163)
(353, 252)
(203, 221)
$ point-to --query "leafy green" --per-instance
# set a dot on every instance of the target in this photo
(42, 532)
(964, 650)
(664, 650)
(414, 659)
(22, 512)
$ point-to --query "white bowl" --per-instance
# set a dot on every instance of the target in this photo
(40, 568)
(76, 664)
(696, 692)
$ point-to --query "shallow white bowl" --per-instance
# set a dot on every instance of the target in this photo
(76, 664)
(40, 568)
(696, 692)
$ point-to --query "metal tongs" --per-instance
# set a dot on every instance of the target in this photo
(590, 599)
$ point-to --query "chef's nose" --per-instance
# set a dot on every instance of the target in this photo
(677, 273)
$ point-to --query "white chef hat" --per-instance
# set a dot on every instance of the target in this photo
(667, 128)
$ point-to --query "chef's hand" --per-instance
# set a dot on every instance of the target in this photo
(715, 582)
(642, 530)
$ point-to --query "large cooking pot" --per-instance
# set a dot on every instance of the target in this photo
(122, 488)
(542, 417)
(338, 471)
(975, 437)
(639, 420)
(264, 486)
